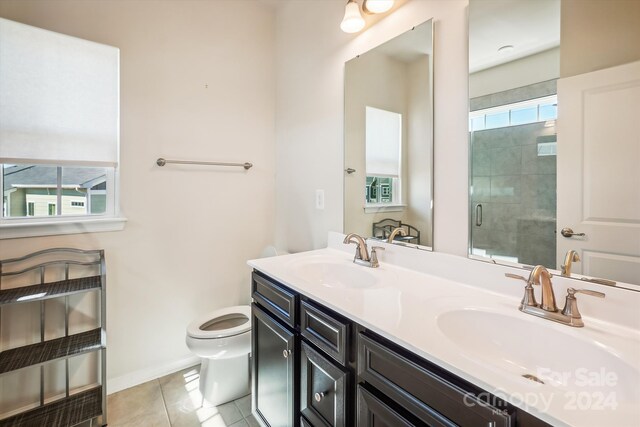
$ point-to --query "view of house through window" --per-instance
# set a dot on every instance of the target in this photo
(41, 191)
(383, 156)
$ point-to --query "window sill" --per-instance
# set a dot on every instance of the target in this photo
(52, 228)
(384, 208)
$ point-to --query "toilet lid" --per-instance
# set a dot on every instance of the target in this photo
(221, 323)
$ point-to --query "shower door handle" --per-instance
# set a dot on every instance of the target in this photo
(478, 214)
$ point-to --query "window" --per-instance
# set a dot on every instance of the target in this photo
(520, 113)
(60, 137)
(31, 190)
(383, 157)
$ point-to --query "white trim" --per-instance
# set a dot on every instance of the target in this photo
(131, 379)
(64, 187)
(387, 207)
(75, 225)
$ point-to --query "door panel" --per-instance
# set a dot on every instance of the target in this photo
(599, 173)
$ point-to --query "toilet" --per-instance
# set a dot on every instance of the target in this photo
(222, 339)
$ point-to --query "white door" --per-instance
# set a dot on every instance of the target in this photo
(599, 171)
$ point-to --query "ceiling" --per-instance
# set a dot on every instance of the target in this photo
(530, 26)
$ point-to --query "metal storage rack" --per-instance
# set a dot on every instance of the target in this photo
(89, 404)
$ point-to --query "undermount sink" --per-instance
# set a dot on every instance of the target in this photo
(334, 273)
(546, 355)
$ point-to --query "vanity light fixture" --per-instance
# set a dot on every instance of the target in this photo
(377, 6)
(353, 20)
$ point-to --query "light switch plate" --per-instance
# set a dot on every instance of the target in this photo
(320, 199)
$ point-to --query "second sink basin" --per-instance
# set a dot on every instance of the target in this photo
(546, 355)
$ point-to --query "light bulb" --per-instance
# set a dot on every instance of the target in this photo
(377, 6)
(353, 20)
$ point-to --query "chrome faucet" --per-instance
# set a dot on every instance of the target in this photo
(362, 254)
(547, 309)
(395, 232)
(571, 257)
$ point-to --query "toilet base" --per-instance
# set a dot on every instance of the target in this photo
(224, 380)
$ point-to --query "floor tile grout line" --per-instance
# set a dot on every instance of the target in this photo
(164, 402)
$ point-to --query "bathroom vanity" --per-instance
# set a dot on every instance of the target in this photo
(336, 344)
(346, 374)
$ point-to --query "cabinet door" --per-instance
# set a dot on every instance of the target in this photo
(373, 412)
(323, 390)
(273, 384)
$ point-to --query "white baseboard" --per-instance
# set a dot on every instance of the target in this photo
(131, 379)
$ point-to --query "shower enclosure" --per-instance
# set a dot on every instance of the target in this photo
(513, 181)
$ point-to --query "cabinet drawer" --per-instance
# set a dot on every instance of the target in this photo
(423, 392)
(278, 300)
(325, 331)
(323, 390)
(374, 412)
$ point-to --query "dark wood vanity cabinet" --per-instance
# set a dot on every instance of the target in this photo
(426, 392)
(274, 349)
(323, 389)
(274, 387)
(326, 367)
(315, 368)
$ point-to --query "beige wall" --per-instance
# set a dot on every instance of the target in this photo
(197, 82)
(597, 34)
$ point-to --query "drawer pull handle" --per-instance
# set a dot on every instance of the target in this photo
(286, 353)
(319, 396)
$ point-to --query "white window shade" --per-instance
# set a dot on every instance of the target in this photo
(383, 142)
(59, 98)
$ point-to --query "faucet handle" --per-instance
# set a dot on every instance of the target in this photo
(374, 256)
(516, 276)
(571, 304)
(572, 292)
(529, 298)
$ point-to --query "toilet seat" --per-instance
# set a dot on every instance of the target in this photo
(194, 329)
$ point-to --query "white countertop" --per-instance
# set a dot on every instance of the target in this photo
(413, 309)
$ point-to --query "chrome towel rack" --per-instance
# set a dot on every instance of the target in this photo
(162, 162)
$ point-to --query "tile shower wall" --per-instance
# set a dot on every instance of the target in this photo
(517, 190)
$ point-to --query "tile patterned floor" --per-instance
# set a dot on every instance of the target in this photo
(175, 401)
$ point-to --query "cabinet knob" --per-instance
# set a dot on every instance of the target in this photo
(318, 396)
(286, 353)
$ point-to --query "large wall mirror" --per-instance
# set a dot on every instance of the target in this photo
(389, 140)
(546, 177)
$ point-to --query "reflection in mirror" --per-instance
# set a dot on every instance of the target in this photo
(514, 63)
(389, 140)
(543, 179)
